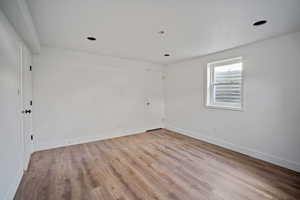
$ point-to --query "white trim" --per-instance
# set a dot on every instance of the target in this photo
(23, 50)
(208, 72)
(24, 162)
(235, 147)
(86, 139)
(217, 107)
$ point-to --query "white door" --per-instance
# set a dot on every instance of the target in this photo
(153, 99)
(26, 98)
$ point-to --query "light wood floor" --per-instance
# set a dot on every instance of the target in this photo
(154, 165)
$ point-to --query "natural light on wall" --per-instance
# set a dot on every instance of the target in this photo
(225, 84)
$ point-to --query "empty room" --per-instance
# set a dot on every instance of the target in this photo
(149, 100)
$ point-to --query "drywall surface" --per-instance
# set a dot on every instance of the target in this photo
(19, 16)
(81, 97)
(269, 126)
(11, 166)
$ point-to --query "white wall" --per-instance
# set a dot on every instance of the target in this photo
(19, 16)
(269, 128)
(11, 166)
(80, 97)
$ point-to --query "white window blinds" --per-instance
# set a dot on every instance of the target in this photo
(224, 81)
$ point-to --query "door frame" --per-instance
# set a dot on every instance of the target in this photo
(22, 66)
(20, 109)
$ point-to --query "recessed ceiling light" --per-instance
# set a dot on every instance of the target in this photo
(91, 38)
(259, 23)
(166, 55)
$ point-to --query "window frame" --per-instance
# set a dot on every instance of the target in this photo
(209, 96)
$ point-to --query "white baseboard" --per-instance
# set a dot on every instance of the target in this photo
(85, 139)
(250, 152)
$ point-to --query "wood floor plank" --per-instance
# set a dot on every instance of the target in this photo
(157, 165)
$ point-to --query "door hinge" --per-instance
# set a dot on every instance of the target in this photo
(30, 68)
(30, 103)
(31, 137)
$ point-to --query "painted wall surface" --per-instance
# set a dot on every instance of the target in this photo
(80, 97)
(269, 126)
(19, 16)
(11, 166)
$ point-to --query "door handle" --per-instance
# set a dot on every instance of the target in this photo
(27, 111)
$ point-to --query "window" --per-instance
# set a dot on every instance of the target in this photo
(225, 84)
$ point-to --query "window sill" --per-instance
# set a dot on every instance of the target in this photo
(218, 107)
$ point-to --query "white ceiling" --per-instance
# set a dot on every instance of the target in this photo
(129, 29)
